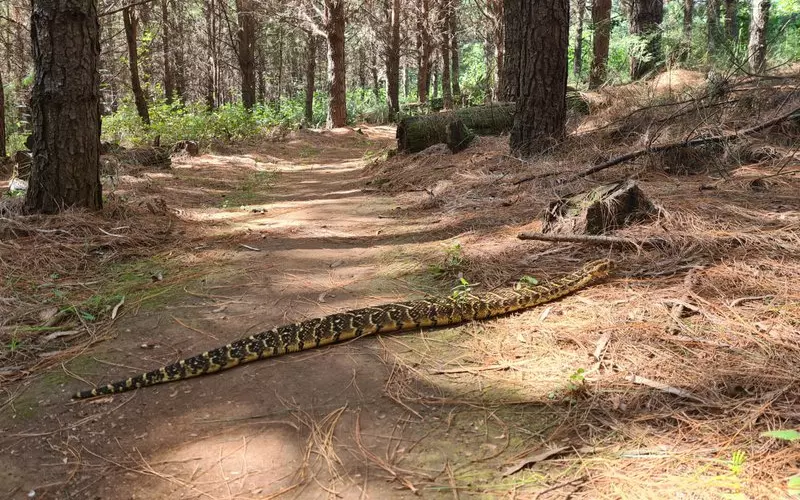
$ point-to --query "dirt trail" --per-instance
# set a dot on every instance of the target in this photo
(604, 394)
(283, 425)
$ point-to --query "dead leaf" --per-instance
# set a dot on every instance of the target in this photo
(533, 459)
(48, 313)
(55, 335)
(545, 314)
(116, 308)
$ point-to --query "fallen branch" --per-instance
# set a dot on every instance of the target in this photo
(673, 145)
(583, 238)
(683, 144)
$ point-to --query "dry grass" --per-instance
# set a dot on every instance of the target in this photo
(658, 378)
(655, 384)
(65, 276)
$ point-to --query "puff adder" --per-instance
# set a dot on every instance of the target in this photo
(348, 325)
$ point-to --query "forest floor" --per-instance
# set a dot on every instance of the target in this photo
(657, 383)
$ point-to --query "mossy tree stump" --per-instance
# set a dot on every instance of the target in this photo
(600, 210)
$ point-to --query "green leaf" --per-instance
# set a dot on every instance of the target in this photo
(784, 434)
(794, 486)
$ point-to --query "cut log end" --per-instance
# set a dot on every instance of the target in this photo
(459, 137)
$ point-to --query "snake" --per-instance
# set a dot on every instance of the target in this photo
(438, 311)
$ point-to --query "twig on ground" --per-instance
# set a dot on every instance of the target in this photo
(742, 300)
(636, 379)
(582, 238)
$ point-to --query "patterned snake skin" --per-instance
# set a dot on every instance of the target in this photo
(359, 322)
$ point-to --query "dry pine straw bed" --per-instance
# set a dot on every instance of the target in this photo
(651, 382)
(666, 376)
(65, 277)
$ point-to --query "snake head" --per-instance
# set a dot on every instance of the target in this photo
(599, 268)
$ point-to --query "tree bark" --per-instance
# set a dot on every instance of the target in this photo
(444, 33)
(732, 20)
(601, 19)
(65, 107)
(455, 59)
(712, 26)
(3, 151)
(261, 81)
(131, 25)
(512, 19)
(645, 23)
(577, 61)
(311, 71)
(212, 74)
(376, 84)
(757, 48)
(541, 106)
(424, 50)
(166, 49)
(245, 51)
(180, 66)
(337, 86)
(393, 58)
(494, 9)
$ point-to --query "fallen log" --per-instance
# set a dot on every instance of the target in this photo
(420, 132)
(458, 136)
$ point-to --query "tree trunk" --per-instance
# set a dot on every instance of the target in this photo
(362, 70)
(541, 106)
(180, 66)
(512, 18)
(444, 32)
(577, 61)
(712, 26)
(311, 71)
(455, 59)
(279, 86)
(757, 48)
(435, 79)
(261, 81)
(688, 14)
(601, 19)
(166, 44)
(495, 10)
(424, 50)
(131, 24)
(65, 107)
(337, 85)
(645, 21)
(732, 20)
(212, 74)
(393, 59)
(376, 84)
(245, 51)
(3, 151)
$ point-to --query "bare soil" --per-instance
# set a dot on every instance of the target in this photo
(655, 384)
